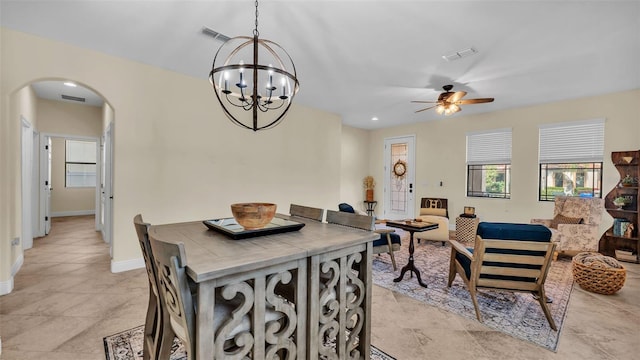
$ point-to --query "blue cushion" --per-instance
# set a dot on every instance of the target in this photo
(507, 231)
(344, 207)
(395, 239)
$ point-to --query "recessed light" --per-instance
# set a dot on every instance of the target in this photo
(70, 84)
(374, 118)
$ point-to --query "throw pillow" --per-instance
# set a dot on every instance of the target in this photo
(433, 211)
(561, 219)
(344, 207)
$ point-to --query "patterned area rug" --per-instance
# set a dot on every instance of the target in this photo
(127, 345)
(517, 314)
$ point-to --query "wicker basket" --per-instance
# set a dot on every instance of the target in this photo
(596, 277)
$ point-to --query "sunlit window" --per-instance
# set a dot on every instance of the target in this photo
(80, 163)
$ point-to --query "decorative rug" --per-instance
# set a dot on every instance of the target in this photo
(127, 345)
(516, 314)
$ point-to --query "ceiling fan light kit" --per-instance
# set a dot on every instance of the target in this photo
(254, 95)
(449, 102)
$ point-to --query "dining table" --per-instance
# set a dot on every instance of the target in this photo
(318, 277)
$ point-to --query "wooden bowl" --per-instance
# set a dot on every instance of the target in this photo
(253, 216)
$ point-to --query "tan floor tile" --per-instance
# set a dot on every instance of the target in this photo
(50, 334)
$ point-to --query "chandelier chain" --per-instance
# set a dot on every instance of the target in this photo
(255, 31)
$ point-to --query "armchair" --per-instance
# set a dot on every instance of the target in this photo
(434, 210)
(576, 223)
(511, 257)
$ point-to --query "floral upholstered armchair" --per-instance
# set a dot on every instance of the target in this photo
(576, 223)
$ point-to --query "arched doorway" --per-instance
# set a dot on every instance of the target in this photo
(69, 172)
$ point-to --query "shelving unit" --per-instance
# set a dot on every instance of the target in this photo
(624, 248)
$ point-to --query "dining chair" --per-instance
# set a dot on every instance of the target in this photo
(388, 242)
(153, 322)
(178, 305)
(306, 212)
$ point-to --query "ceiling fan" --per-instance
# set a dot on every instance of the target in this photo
(449, 101)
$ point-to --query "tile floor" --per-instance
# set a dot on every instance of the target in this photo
(66, 300)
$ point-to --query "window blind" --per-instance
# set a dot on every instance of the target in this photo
(489, 147)
(572, 142)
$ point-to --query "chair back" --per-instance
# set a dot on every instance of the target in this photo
(173, 287)
(589, 209)
(142, 229)
(434, 206)
(306, 212)
(153, 321)
(511, 264)
(363, 222)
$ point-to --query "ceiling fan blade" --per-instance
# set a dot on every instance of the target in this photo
(424, 102)
(474, 101)
(456, 96)
(430, 107)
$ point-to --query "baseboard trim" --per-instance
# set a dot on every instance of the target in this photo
(6, 286)
(126, 265)
(17, 265)
(73, 213)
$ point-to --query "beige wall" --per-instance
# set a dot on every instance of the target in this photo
(441, 152)
(22, 104)
(176, 156)
(354, 166)
(63, 118)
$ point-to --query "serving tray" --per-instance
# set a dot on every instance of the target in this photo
(232, 229)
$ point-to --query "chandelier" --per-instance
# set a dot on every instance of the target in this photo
(253, 95)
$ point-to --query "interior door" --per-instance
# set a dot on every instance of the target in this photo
(106, 186)
(45, 183)
(399, 178)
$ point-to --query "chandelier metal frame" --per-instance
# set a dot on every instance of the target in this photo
(235, 95)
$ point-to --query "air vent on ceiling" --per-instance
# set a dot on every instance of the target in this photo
(73, 98)
(460, 54)
(214, 34)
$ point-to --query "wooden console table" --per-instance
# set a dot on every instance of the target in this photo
(330, 301)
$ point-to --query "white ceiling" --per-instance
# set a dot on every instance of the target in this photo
(54, 90)
(362, 59)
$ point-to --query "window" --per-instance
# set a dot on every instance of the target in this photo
(80, 163)
(489, 164)
(570, 157)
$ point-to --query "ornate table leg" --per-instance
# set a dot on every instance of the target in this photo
(410, 266)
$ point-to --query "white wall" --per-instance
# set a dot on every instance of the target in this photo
(176, 156)
(441, 152)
